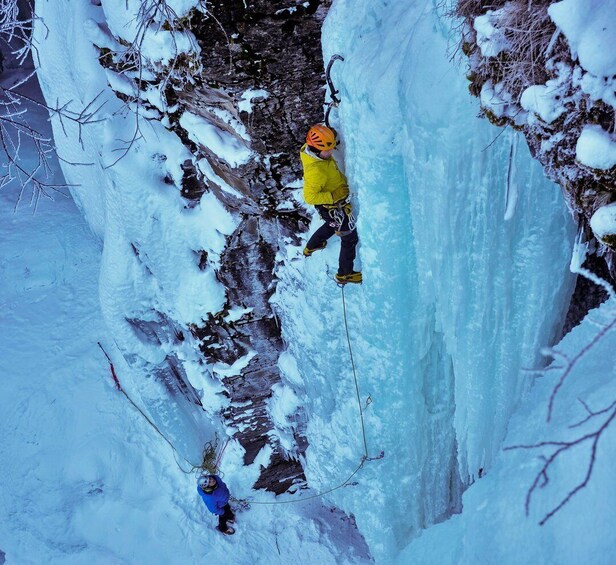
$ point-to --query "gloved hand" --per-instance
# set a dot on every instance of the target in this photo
(341, 193)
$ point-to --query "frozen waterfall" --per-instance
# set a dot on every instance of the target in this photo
(456, 300)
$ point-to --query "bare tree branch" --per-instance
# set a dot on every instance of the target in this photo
(542, 478)
(609, 412)
(15, 128)
(571, 363)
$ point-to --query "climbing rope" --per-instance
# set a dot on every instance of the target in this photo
(304, 498)
(361, 411)
(212, 448)
(148, 420)
(365, 458)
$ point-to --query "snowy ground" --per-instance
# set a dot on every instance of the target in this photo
(493, 527)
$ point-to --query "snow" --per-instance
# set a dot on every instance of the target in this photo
(543, 100)
(282, 406)
(99, 35)
(121, 83)
(248, 96)
(496, 99)
(228, 147)
(163, 46)
(603, 221)
(224, 370)
(599, 88)
(490, 39)
(125, 19)
(590, 29)
(596, 148)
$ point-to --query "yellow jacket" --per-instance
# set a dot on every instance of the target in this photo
(323, 181)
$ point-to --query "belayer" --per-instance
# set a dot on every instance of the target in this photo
(326, 188)
(215, 494)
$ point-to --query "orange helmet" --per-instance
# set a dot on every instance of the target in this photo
(321, 137)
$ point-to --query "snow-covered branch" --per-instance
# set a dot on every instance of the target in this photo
(570, 363)
(16, 130)
(15, 31)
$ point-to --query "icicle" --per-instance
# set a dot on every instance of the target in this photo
(580, 250)
(511, 194)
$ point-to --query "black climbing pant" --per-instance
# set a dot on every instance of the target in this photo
(224, 517)
(341, 221)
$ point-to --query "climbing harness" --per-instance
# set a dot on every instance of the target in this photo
(335, 101)
(338, 213)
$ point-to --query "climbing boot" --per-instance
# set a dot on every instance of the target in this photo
(228, 532)
(308, 252)
(354, 277)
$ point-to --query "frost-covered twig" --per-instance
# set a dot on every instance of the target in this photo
(15, 130)
(596, 279)
(15, 32)
(15, 126)
(571, 362)
(128, 144)
(591, 413)
(542, 477)
(10, 145)
(608, 413)
(152, 17)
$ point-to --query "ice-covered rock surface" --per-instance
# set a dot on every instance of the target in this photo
(494, 527)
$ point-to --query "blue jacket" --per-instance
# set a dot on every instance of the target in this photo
(217, 500)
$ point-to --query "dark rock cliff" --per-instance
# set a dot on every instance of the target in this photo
(258, 81)
(247, 47)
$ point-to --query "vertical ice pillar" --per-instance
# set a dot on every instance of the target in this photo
(456, 300)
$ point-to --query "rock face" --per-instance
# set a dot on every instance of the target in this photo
(264, 64)
(522, 68)
(255, 79)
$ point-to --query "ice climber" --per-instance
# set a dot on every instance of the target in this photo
(215, 494)
(326, 188)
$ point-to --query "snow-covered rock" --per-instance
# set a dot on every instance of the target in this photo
(590, 29)
(490, 38)
(596, 148)
(603, 224)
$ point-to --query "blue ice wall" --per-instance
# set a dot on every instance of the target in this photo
(456, 300)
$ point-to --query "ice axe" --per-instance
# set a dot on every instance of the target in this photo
(332, 89)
